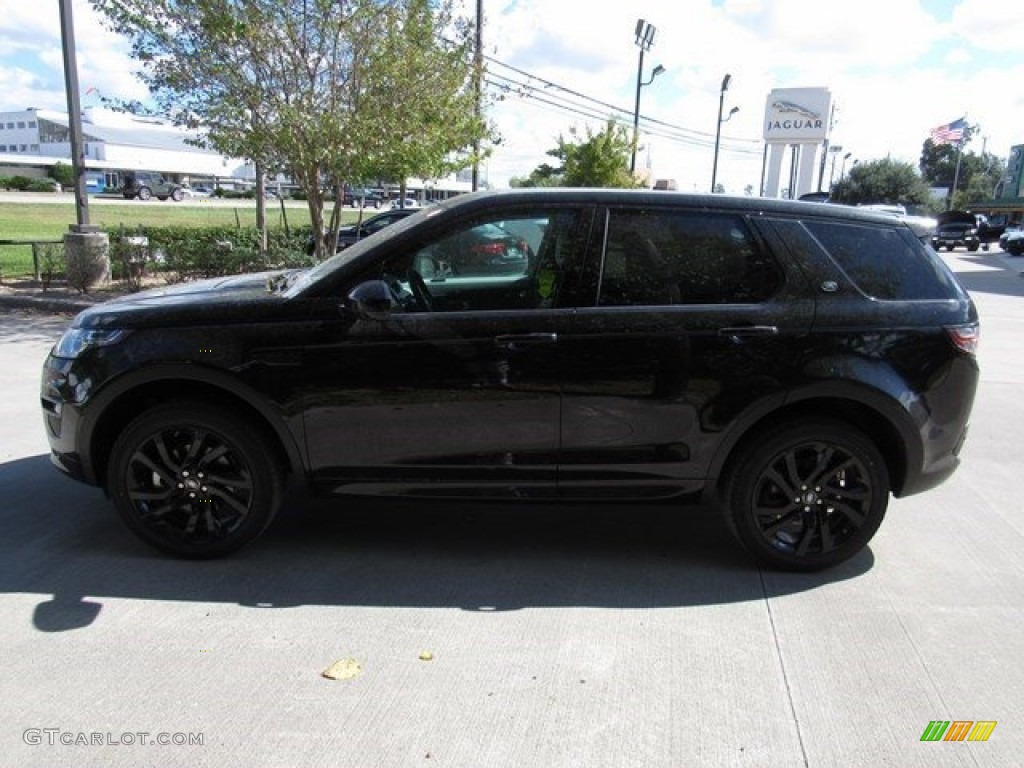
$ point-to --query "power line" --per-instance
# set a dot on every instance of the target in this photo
(659, 128)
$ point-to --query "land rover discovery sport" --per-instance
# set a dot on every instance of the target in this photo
(794, 363)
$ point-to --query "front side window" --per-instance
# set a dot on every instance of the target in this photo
(508, 261)
(664, 257)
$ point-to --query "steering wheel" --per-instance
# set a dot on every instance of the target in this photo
(419, 290)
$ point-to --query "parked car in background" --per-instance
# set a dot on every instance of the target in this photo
(923, 227)
(956, 229)
(146, 184)
(794, 364)
(406, 202)
(352, 234)
(362, 197)
(1012, 240)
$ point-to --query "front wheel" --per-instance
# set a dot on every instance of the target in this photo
(177, 195)
(808, 495)
(194, 481)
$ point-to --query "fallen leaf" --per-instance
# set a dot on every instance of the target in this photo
(345, 669)
(426, 656)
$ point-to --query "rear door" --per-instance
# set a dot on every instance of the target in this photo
(692, 324)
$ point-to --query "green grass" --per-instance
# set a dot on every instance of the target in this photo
(49, 221)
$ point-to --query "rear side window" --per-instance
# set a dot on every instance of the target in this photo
(679, 257)
(885, 262)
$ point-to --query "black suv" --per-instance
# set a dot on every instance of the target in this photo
(794, 362)
(956, 229)
(146, 184)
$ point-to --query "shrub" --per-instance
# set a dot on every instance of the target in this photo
(188, 253)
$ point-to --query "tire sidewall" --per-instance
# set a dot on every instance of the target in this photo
(248, 443)
(760, 452)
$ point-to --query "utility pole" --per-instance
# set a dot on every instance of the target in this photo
(478, 74)
(86, 249)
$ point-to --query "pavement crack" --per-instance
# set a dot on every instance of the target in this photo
(782, 668)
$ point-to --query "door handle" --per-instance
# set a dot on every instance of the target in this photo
(512, 341)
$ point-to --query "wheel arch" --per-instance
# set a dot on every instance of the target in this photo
(121, 407)
(896, 442)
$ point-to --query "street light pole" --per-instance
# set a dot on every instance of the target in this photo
(842, 168)
(834, 150)
(718, 126)
(644, 39)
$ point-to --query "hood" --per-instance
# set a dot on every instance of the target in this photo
(220, 299)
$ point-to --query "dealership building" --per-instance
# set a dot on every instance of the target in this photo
(32, 141)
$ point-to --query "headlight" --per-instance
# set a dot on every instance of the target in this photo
(77, 340)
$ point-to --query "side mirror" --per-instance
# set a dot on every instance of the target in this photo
(372, 299)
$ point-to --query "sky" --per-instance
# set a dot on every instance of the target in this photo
(895, 68)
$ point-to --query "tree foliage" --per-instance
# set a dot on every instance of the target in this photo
(978, 176)
(598, 159)
(326, 90)
(881, 181)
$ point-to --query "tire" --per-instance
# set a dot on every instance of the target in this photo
(145, 193)
(177, 195)
(807, 495)
(194, 481)
(973, 248)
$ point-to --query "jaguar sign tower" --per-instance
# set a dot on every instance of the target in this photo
(800, 119)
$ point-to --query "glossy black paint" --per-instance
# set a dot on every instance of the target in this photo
(573, 400)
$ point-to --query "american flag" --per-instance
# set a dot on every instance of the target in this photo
(951, 133)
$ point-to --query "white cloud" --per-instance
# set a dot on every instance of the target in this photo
(992, 25)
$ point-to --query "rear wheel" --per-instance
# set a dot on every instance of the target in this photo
(145, 193)
(808, 495)
(194, 481)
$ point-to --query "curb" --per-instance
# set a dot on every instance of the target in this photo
(44, 304)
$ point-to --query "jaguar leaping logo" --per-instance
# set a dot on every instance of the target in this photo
(789, 106)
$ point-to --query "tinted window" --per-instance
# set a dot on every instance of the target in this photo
(681, 257)
(884, 262)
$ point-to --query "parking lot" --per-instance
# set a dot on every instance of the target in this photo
(506, 635)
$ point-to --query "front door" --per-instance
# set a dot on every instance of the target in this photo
(456, 390)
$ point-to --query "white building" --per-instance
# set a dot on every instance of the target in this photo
(33, 140)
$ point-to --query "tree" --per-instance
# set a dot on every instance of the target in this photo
(978, 174)
(882, 181)
(312, 87)
(544, 175)
(63, 174)
(432, 121)
(599, 160)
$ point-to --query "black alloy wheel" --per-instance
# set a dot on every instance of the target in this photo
(807, 496)
(193, 481)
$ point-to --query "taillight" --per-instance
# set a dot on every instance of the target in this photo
(489, 248)
(965, 337)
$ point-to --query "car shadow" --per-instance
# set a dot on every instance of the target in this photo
(998, 278)
(64, 541)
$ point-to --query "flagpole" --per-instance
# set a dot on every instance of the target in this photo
(959, 154)
(956, 175)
